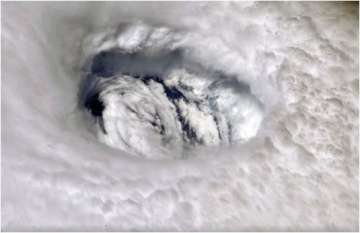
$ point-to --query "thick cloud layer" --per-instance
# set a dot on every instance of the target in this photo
(294, 65)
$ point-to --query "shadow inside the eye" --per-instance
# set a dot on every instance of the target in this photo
(95, 105)
(108, 63)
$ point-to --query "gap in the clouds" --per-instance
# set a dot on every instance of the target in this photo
(95, 105)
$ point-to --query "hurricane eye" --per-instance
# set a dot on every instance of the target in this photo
(141, 98)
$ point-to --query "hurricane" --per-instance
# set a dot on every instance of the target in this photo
(179, 116)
